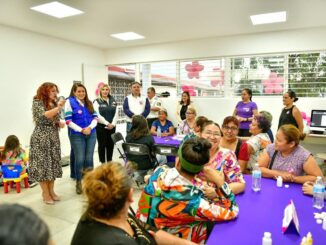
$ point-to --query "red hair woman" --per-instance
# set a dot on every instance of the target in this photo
(45, 154)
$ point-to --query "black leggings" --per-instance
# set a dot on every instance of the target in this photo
(105, 143)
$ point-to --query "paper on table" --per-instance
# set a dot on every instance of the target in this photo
(178, 137)
(290, 216)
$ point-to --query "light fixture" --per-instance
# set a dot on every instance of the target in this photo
(57, 9)
(127, 36)
(268, 18)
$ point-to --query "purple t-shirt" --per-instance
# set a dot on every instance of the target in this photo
(245, 110)
(292, 163)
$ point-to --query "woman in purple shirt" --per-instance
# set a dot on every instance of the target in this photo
(245, 111)
(286, 158)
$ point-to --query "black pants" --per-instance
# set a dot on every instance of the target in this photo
(150, 122)
(244, 132)
(105, 143)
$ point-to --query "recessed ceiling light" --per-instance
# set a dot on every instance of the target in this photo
(127, 36)
(268, 18)
(57, 10)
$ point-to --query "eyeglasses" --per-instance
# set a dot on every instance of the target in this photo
(189, 113)
(215, 134)
(230, 128)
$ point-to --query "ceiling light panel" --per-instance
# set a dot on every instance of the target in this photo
(127, 36)
(268, 18)
(57, 9)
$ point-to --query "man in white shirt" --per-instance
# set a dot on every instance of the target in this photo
(135, 104)
(156, 105)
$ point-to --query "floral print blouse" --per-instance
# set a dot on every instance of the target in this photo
(225, 161)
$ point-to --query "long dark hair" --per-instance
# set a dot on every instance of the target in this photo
(12, 144)
(88, 103)
(188, 101)
(139, 127)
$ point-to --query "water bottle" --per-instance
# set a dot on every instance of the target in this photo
(159, 132)
(178, 131)
(267, 239)
(256, 178)
(319, 193)
(279, 181)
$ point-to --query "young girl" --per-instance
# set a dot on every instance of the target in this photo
(13, 154)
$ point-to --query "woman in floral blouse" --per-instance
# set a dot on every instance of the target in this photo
(171, 202)
(220, 159)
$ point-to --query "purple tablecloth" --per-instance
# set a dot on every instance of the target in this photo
(166, 141)
(263, 211)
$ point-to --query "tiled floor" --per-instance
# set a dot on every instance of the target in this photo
(64, 215)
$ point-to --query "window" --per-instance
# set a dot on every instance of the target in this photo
(264, 75)
(120, 76)
(307, 74)
(161, 75)
(267, 75)
(202, 77)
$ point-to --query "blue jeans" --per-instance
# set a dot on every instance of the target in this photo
(83, 147)
(128, 128)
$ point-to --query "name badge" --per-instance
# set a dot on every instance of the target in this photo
(80, 112)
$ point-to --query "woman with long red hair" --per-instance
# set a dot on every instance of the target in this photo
(45, 154)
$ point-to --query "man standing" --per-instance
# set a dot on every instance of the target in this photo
(156, 105)
(135, 104)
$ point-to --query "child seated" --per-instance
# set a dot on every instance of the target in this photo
(13, 154)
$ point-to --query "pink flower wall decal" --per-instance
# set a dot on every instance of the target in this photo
(273, 84)
(193, 69)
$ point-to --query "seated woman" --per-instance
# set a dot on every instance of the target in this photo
(140, 134)
(199, 123)
(269, 117)
(109, 193)
(171, 202)
(187, 126)
(220, 159)
(163, 123)
(286, 158)
(257, 141)
(229, 140)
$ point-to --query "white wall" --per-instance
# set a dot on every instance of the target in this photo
(261, 43)
(28, 59)
(218, 108)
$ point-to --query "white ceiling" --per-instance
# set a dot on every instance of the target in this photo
(160, 21)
